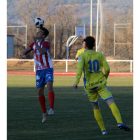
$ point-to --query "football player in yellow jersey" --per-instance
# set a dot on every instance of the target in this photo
(76, 58)
(93, 63)
(81, 50)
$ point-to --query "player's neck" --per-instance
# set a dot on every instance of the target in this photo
(41, 40)
(88, 49)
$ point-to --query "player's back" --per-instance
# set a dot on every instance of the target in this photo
(79, 52)
(94, 62)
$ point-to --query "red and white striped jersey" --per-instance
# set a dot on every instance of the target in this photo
(41, 61)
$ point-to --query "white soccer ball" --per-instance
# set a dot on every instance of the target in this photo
(39, 22)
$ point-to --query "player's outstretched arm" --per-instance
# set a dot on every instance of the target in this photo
(77, 54)
(75, 86)
(26, 51)
(79, 71)
(106, 67)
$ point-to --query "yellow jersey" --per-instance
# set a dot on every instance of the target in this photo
(79, 52)
(92, 63)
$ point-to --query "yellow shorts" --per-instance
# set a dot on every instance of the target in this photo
(103, 91)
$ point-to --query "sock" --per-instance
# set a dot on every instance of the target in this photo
(116, 112)
(51, 99)
(98, 117)
(42, 103)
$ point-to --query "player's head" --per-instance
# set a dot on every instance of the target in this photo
(42, 33)
(90, 42)
(84, 43)
(46, 32)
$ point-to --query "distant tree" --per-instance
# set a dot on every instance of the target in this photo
(66, 22)
(52, 13)
(28, 10)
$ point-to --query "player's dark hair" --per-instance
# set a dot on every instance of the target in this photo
(90, 42)
(46, 32)
(83, 40)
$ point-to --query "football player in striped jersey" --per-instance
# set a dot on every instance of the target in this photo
(44, 69)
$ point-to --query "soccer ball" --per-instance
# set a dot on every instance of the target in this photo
(38, 22)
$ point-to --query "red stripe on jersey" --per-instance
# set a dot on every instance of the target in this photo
(34, 50)
(36, 56)
(46, 44)
(41, 43)
(31, 45)
(46, 56)
(41, 60)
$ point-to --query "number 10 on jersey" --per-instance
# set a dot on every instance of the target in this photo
(94, 66)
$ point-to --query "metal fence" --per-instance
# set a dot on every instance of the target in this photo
(66, 65)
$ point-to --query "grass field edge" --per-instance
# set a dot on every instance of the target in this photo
(112, 74)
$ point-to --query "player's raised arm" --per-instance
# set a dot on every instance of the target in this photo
(41, 50)
(26, 51)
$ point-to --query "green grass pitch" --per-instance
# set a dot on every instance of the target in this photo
(73, 118)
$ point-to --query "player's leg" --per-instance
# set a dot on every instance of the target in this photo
(107, 96)
(114, 109)
(116, 114)
(98, 117)
(84, 81)
(51, 97)
(40, 90)
(41, 98)
(42, 101)
(51, 94)
(84, 87)
(93, 97)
